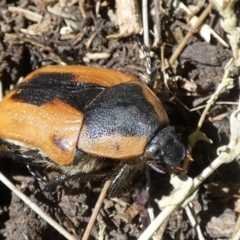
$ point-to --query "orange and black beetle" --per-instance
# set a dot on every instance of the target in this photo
(87, 121)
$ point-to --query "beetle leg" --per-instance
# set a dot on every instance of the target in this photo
(57, 181)
(122, 179)
(79, 175)
(39, 179)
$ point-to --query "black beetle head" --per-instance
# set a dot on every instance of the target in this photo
(166, 147)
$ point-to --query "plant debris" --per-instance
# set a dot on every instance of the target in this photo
(198, 85)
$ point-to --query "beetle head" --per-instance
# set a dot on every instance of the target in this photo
(166, 147)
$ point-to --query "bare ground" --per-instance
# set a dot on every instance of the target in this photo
(27, 43)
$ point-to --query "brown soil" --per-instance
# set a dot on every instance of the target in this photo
(26, 45)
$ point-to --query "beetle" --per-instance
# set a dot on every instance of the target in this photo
(87, 122)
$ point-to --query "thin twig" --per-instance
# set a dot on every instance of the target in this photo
(145, 22)
(96, 209)
(221, 87)
(157, 5)
(157, 223)
(193, 220)
(189, 34)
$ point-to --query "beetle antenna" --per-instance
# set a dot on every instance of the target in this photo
(149, 73)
